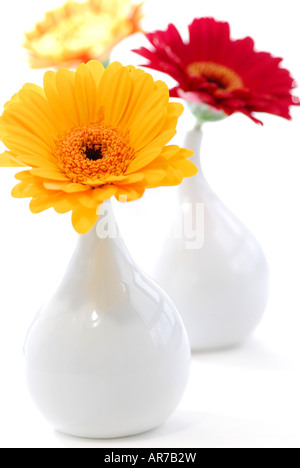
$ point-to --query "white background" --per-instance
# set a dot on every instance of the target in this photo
(248, 397)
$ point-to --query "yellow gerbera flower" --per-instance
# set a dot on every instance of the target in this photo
(90, 135)
(79, 32)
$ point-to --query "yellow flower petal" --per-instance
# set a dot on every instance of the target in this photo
(154, 107)
(142, 89)
(37, 161)
(83, 219)
(148, 154)
(49, 174)
(104, 193)
(20, 141)
(93, 73)
(126, 179)
(85, 93)
(90, 135)
(175, 108)
(33, 87)
(7, 160)
(25, 176)
(78, 32)
(37, 205)
(24, 190)
(172, 152)
(97, 69)
(155, 174)
(66, 187)
(30, 117)
(63, 205)
(116, 101)
(148, 128)
(107, 78)
(65, 85)
(54, 101)
(129, 193)
(187, 167)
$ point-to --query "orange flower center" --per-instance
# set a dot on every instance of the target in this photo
(225, 78)
(89, 155)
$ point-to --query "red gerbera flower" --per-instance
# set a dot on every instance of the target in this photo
(226, 74)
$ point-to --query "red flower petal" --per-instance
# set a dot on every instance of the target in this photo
(224, 73)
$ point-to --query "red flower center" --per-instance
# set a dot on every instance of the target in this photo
(226, 79)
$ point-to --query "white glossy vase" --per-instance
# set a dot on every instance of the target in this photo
(108, 356)
(219, 280)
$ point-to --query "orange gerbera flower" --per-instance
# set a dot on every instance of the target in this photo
(90, 135)
(79, 32)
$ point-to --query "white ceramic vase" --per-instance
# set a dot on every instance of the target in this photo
(108, 356)
(219, 280)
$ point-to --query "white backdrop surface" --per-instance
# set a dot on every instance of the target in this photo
(246, 397)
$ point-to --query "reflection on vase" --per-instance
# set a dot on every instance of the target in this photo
(219, 279)
(108, 356)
